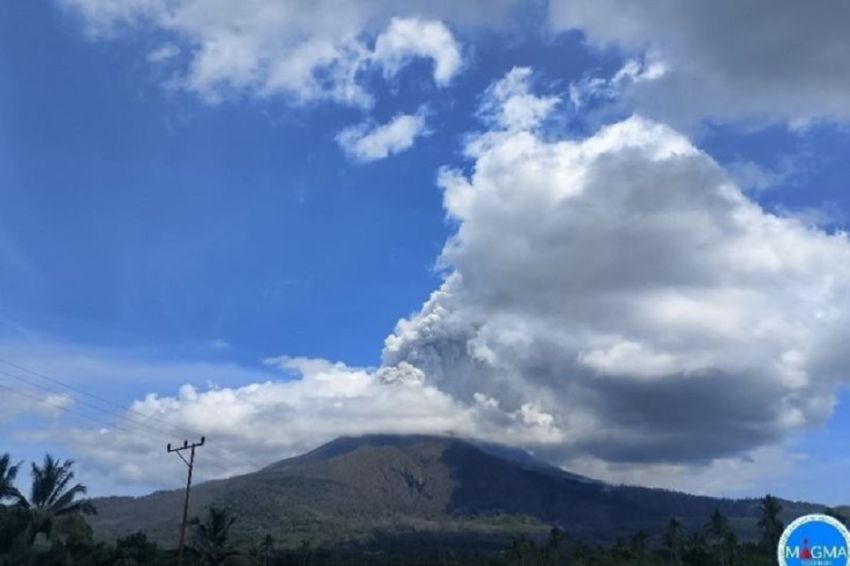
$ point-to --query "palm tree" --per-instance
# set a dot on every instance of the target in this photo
(770, 524)
(8, 473)
(12, 520)
(211, 537)
(53, 499)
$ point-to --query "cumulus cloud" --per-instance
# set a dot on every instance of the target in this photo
(627, 288)
(370, 142)
(728, 59)
(615, 303)
(409, 38)
(252, 425)
(723, 60)
(305, 50)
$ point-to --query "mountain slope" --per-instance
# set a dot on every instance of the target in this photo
(352, 489)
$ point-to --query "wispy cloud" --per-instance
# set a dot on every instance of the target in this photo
(370, 142)
(306, 51)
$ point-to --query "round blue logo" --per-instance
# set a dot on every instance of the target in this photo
(814, 540)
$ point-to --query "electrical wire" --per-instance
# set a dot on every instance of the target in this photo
(142, 424)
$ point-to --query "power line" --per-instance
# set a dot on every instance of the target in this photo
(55, 392)
(101, 422)
(95, 397)
(145, 418)
(66, 409)
(142, 423)
(142, 427)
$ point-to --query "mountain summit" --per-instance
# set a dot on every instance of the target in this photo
(356, 488)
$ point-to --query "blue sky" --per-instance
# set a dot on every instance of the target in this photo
(171, 239)
(182, 223)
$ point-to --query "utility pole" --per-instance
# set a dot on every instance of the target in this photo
(191, 464)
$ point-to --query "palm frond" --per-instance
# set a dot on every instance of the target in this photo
(63, 477)
(67, 498)
(81, 507)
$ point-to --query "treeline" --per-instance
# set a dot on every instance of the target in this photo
(48, 528)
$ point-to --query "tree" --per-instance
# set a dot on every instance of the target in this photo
(53, 507)
(8, 473)
(554, 550)
(580, 553)
(639, 547)
(673, 540)
(695, 551)
(720, 538)
(770, 524)
(212, 537)
(523, 552)
(261, 554)
(135, 550)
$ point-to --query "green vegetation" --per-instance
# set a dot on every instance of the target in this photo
(8, 473)
(48, 527)
(353, 490)
(212, 538)
(211, 545)
(769, 523)
(51, 527)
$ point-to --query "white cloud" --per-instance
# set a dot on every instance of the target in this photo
(164, 53)
(26, 400)
(634, 72)
(752, 176)
(623, 285)
(509, 104)
(408, 38)
(615, 303)
(727, 59)
(626, 357)
(686, 60)
(828, 214)
(305, 50)
(370, 142)
(735, 476)
(320, 401)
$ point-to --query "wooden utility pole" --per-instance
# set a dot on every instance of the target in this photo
(191, 464)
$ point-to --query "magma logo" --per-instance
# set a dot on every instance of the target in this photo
(814, 540)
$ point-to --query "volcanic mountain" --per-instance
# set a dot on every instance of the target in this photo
(356, 489)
